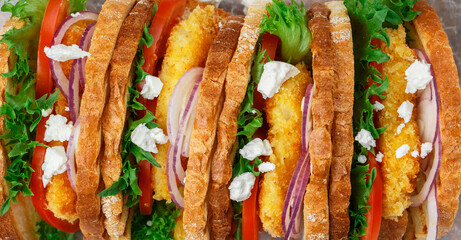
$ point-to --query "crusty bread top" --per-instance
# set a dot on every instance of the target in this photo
(435, 43)
(93, 100)
(114, 116)
(342, 137)
(208, 108)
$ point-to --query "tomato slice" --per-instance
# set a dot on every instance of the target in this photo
(374, 202)
(36, 185)
(55, 13)
(250, 221)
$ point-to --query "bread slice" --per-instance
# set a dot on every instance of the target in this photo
(237, 78)
(114, 116)
(435, 43)
(342, 137)
(110, 19)
(209, 107)
(316, 214)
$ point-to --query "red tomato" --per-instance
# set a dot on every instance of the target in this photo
(36, 185)
(55, 13)
(166, 17)
(250, 221)
(375, 202)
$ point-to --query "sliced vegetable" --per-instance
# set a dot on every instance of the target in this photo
(60, 79)
(250, 220)
(55, 13)
(85, 43)
(181, 110)
(144, 176)
(70, 153)
(374, 213)
(291, 217)
(432, 210)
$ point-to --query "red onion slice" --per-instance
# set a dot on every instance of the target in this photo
(85, 43)
(71, 150)
(428, 123)
(180, 118)
(58, 75)
(291, 214)
(432, 210)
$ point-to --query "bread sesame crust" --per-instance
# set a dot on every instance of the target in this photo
(316, 210)
(342, 137)
(435, 43)
(89, 151)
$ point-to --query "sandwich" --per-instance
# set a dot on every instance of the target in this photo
(405, 123)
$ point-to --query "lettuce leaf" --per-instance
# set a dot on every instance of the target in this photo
(47, 232)
(157, 226)
(289, 23)
(368, 19)
(76, 5)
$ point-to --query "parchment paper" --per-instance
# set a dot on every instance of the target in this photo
(449, 12)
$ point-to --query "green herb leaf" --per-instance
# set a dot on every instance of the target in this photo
(289, 23)
(76, 5)
(157, 226)
(47, 232)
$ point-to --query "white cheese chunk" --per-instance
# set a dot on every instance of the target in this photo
(405, 111)
(418, 75)
(46, 113)
(57, 128)
(365, 139)
(362, 159)
(256, 148)
(426, 148)
(378, 106)
(266, 167)
(54, 164)
(66, 109)
(62, 53)
(274, 75)
(152, 87)
(149, 223)
(76, 14)
(147, 139)
(402, 151)
(399, 128)
(415, 153)
(379, 157)
(240, 187)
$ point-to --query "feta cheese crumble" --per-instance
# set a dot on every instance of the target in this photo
(274, 75)
(365, 139)
(57, 128)
(46, 113)
(66, 109)
(362, 159)
(418, 75)
(149, 223)
(266, 167)
(240, 187)
(147, 139)
(399, 128)
(379, 157)
(256, 148)
(426, 148)
(415, 153)
(54, 164)
(378, 106)
(62, 53)
(75, 14)
(405, 111)
(152, 87)
(402, 151)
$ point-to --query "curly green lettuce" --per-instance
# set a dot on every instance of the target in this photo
(157, 226)
(289, 23)
(48, 232)
(369, 19)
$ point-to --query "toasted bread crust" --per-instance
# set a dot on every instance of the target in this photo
(209, 106)
(316, 216)
(93, 100)
(238, 74)
(114, 116)
(436, 46)
(393, 229)
(342, 137)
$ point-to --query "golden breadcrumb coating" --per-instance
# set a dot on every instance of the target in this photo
(189, 41)
(284, 117)
(399, 175)
(61, 198)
